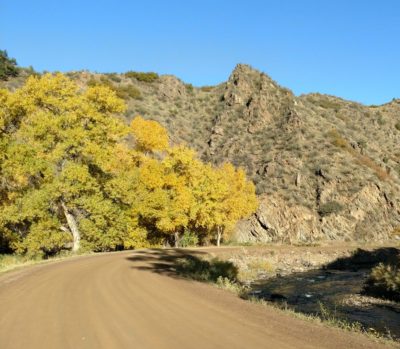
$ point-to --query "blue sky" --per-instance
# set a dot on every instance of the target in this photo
(346, 48)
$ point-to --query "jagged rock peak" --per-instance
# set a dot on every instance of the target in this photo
(245, 69)
(244, 74)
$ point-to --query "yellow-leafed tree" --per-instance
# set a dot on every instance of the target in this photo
(58, 143)
(149, 135)
(225, 197)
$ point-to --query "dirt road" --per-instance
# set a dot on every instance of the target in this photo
(134, 300)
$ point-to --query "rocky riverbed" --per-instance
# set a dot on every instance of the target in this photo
(324, 281)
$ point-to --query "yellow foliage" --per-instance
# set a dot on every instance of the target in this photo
(4, 97)
(149, 135)
(229, 198)
(105, 100)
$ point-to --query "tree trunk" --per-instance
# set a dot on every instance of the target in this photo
(176, 236)
(219, 236)
(298, 179)
(73, 228)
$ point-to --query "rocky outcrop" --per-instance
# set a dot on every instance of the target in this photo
(275, 221)
(362, 216)
(171, 88)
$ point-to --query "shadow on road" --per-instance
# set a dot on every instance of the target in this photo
(183, 263)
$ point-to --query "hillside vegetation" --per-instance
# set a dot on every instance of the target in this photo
(8, 66)
(74, 174)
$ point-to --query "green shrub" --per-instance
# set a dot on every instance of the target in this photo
(397, 126)
(114, 77)
(141, 76)
(189, 239)
(329, 208)
(384, 282)
(206, 88)
(362, 143)
(129, 91)
(324, 102)
(92, 82)
(203, 270)
(231, 286)
(104, 81)
(337, 139)
(30, 71)
(189, 88)
(124, 92)
(380, 120)
(8, 66)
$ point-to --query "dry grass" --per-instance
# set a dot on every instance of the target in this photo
(361, 159)
(9, 262)
(327, 317)
(254, 268)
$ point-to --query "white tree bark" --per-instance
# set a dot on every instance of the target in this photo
(176, 238)
(219, 236)
(73, 228)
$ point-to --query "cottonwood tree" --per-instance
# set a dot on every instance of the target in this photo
(225, 196)
(59, 142)
(236, 200)
(201, 197)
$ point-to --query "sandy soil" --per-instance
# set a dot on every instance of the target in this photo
(134, 300)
